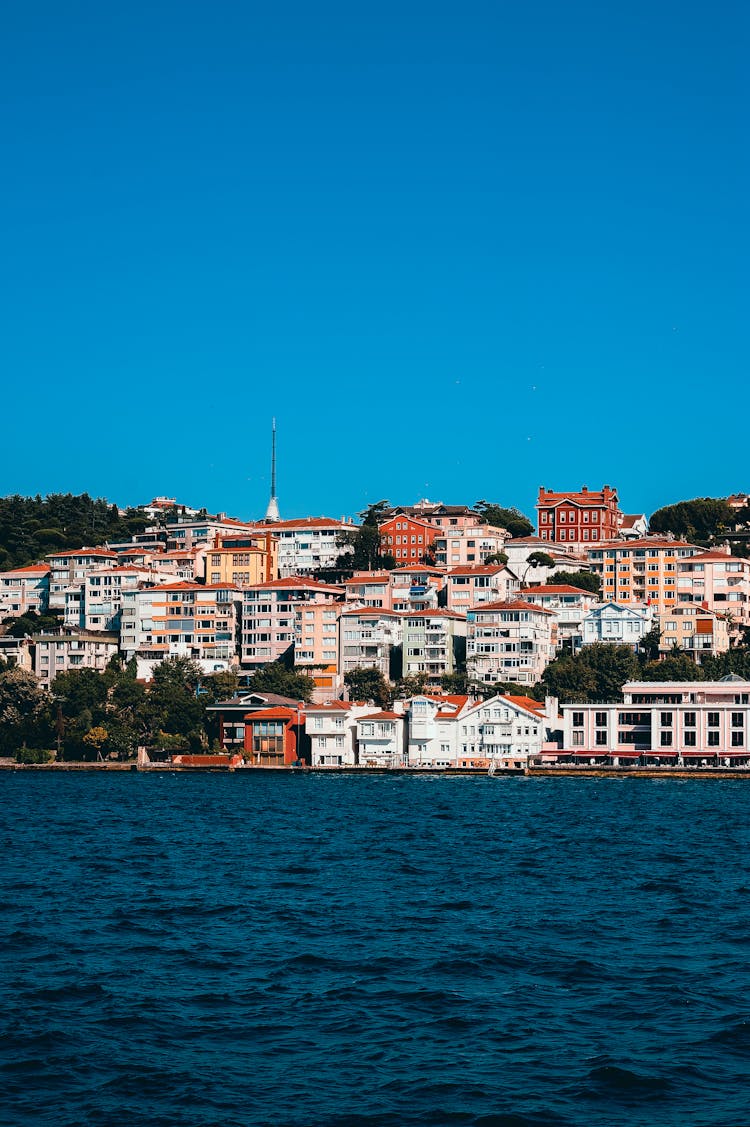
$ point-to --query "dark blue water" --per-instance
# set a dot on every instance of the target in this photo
(357, 951)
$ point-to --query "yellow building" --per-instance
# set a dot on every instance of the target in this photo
(695, 629)
(640, 571)
(243, 561)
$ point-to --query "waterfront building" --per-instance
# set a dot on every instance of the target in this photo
(673, 722)
(371, 638)
(576, 519)
(434, 643)
(474, 584)
(24, 589)
(509, 641)
(433, 729)
(268, 615)
(232, 714)
(641, 571)
(504, 731)
(381, 739)
(57, 653)
(332, 731)
(620, 624)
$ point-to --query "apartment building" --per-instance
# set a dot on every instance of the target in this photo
(407, 539)
(447, 517)
(95, 603)
(471, 585)
(24, 589)
(694, 629)
(520, 551)
(467, 546)
(332, 731)
(181, 619)
(381, 739)
(698, 722)
(433, 729)
(268, 615)
(369, 589)
(570, 606)
(503, 732)
(620, 624)
(575, 519)
(307, 544)
(66, 568)
(416, 587)
(434, 643)
(57, 653)
(718, 580)
(371, 638)
(316, 646)
(243, 561)
(641, 571)
(509, 641)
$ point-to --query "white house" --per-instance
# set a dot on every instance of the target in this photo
(614, 622)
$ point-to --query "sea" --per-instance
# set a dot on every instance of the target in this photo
(351, 951)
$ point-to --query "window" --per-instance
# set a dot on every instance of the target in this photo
(577, 719)
(689, 738)
(601, 739)
(713, 739)
(666, 739)
(601, 719)
(738, 719)
(578, 739)
(666, 719)
(713, 720)
(689, 719)
(738, 739)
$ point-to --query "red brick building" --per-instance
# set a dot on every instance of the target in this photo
(574, 520)
(406, 539)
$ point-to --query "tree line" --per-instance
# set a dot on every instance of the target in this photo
(32, 527)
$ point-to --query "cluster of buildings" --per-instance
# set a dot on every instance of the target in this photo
(464, 598)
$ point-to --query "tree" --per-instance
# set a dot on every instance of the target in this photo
(596, 673)
(95, 739)
(674, 667)
(536, 559)
(362, 548)
(569, 679)
(24, 711)
(496, 558)
(368, 684)
(512, 519)
(30, 623)
(648, 647)
(411, 686)
(455, 683)
(276, 678)
(585, 580)
(703, 519)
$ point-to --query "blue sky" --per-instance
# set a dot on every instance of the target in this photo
(459, 251)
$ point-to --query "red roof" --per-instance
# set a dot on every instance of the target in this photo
(645, 542)
(371, 612)
(374, 578)
(558, 589)
(528, 703)
(187, 585)
(331, 706)
(477, 569)
(519, 604)
(32, 569)
(439, 612)
(273, 714)
(382, 716)
(295, 581)
(421, 569)
(303, 523)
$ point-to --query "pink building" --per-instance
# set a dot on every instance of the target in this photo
(24, 589)
(369, 589)
(719, 581)
(691, 722)
(489, 583)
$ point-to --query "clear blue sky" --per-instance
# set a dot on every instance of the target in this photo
(459, 250)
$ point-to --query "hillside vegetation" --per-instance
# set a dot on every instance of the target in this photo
(32, 527)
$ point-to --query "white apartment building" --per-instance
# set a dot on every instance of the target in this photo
(434, 643)
(433, 730)
(468, 587)
(369, 639)
(67, 568)
(504, 732)
(509, 641)
(24, 589)
(416, 587)
(332, 731)
(95, 603)
(381, 739)
(520, 548)
(307, 544)
(269, 619)
(181, 620)
(570, 606)
(57, 653)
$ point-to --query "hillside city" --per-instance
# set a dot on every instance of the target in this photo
(428, 635)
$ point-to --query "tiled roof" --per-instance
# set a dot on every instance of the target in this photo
(558, 589)
(439, 612)
(32, 569)
(477, 569)
(291, 582)
(382, 716)
(518, 604)
(304, 523)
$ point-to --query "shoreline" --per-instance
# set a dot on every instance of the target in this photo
(463, 772)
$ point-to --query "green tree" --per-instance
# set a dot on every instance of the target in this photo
(497, 558)
(704, 519)
(276, 678)
(362, 549)
(596, 673)
(411, 686)
(24, 712)
(368, 684)
(513, 519)
(584, 580)
(455, 683)
(674, 667)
